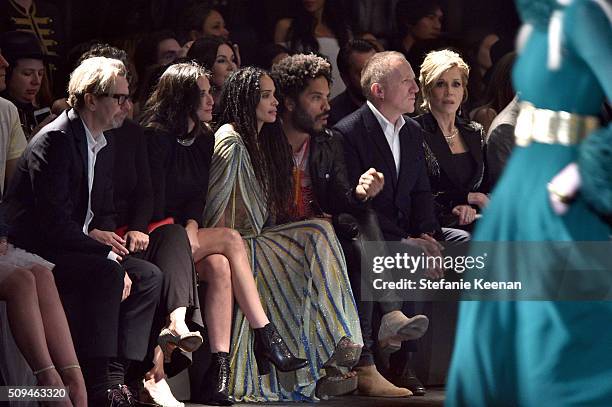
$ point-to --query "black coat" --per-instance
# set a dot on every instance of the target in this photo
(132, 187)
(47, 197)
(340, 107)
(443, 173)
(333, 193)
(405, 206)
(331, 187)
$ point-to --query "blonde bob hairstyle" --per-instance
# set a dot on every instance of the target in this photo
(432, 68)
(97, 76)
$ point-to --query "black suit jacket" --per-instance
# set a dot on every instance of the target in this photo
(340, 107)
(48, 196)
(446, 185)
(405, 205)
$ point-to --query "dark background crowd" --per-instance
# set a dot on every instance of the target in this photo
(67, 27)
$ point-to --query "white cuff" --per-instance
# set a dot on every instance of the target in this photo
(112, 256)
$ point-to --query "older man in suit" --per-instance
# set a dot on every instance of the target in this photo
(378, 135)
(109, 300)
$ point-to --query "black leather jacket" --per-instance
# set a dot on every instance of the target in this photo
(330, 185)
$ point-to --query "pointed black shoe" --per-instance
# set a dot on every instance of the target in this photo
(270, 348)
(409, 380)
(217, 380)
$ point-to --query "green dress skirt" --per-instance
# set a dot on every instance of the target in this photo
(545, 353)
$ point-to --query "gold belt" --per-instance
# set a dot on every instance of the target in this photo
(551, 127)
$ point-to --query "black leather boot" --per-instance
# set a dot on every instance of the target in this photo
(270, 347)
(217, 380)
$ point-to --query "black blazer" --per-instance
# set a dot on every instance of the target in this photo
(405, 205)
(48, 195)
(446, 186)
(340, 107)
(132, 189)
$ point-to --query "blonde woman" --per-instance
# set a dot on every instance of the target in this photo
(454, 147)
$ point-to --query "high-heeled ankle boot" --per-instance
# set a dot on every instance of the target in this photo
(270, 347)
(217, 380)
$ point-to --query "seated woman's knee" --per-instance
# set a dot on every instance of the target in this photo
(233, 238)
(20, 282)
(216, 268)
(43, 275)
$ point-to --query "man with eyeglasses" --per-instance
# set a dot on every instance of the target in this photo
(109, 298)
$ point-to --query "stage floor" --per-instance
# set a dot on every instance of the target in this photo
(434, 398)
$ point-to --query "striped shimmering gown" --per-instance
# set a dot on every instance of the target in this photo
(300, 273)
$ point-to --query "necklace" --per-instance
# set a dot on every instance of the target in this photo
(450, 139)
(185, 141)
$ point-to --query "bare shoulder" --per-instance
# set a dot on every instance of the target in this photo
(282, 29)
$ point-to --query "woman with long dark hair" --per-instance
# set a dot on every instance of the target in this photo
(180, 149)
(217, 54)
(299, 266)
(498, 94)
(318, 26)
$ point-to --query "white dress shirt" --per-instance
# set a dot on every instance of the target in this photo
(391, 132)
(94, 145)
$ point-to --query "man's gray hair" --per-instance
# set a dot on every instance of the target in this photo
(97, 76)
(377, 70)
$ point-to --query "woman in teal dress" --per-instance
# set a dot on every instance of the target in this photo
(299, 267)
(556, 187)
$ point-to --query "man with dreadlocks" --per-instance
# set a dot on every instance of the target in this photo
(300, 268)
(321, 186)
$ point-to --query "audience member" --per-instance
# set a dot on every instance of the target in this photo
(378, 135)
(201, 20)
(454, 148)
(24, 78)
(477, 53)
(37, 319)
(166, 246)
(180, 147)
(250, 190)
(45, 21)
(216, 54)
(405, 207)
(35, 312)
(158, 48)
(323, 189)
(318, 26)
(419, 29)
(499, 92)
(109, 298)
(12, 138)
(351, 60)
(500, 141)
(374, 17)
(271, 54)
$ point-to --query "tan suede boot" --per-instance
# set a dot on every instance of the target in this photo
(372, 383)
(396, 327)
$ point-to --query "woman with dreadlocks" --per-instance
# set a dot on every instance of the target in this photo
(180, 150)
(300, 267)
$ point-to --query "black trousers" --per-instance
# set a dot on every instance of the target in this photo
(169, 249)
(369, 311)
(102, 326)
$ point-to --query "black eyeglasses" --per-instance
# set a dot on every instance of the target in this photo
(121, 99)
